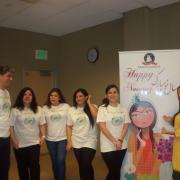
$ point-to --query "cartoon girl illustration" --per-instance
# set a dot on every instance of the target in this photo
(143, 161)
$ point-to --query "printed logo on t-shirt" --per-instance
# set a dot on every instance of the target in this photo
(81, 120)
(6, 107)
(55, 117)
(29, 121)
(117, 121)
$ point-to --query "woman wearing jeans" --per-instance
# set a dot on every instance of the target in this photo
(82, 132)
(55, 112)
(113, 122)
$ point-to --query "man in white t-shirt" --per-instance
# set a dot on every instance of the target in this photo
(5, 105)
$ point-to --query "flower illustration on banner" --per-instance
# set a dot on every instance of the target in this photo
(164, 149)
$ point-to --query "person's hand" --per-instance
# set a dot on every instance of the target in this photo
(15, 144)
(167, 118)
(118, 144)
(89, 100)
(42, 140)
(69, 146)
(164, 131)
(131, 168)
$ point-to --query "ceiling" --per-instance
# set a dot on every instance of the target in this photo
(59, 17)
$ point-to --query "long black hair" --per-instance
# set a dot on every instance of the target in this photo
(19, 100)
(86, 107)
(145, 104)
(178, 88)
(60, 94)
(105, 101)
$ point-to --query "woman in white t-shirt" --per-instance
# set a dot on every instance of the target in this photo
(82, 132)
(55, 111)
(113, 122)
(28, 133)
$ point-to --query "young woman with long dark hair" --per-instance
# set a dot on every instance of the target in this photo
(28, 133)
(55, 111)
(82, 132)
(113, 122)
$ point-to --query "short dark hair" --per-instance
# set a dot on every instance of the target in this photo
(4, 69)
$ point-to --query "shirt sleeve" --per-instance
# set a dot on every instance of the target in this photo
(42, 117)
(127, 119)
(66, 111)
(101, 115)
(69, 118)
(12, 117)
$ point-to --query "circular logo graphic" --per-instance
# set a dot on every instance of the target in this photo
(56, 117)
(6, 107)
(29, 121)
(117, 121)
(149, 57)
(81, 121)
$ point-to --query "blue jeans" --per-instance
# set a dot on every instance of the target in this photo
(57, 151)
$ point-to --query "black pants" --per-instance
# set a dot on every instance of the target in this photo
(84, 158)
(4, 158)
(176, 175)
(114, 161)
(28, 162)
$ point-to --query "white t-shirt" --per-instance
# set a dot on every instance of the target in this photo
(5, 105)
(56, 118)
(115, 118)
(83, 134)
(26, 125)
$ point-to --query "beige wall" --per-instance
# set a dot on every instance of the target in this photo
(17, 50)
(136, 30)
(152, 28)
(165, 27)
(77, 72)
(139, 29)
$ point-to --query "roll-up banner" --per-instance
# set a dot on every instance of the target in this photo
(148, 84)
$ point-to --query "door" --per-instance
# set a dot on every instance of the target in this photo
(41, 81)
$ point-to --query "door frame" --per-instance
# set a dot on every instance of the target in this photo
(54, 74)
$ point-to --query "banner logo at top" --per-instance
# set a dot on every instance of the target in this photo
(149, 59)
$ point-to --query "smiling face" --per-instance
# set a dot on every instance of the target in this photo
(142, 117)
(54, 98)
(113, 95)
(80, 99)
(27, 98)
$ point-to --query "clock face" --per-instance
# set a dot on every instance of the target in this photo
(92, 55)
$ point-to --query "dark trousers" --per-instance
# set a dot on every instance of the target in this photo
(4, 158)
(84, 158)
(114, 161)
(28, 162)
(176, 175)
(57, 151)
